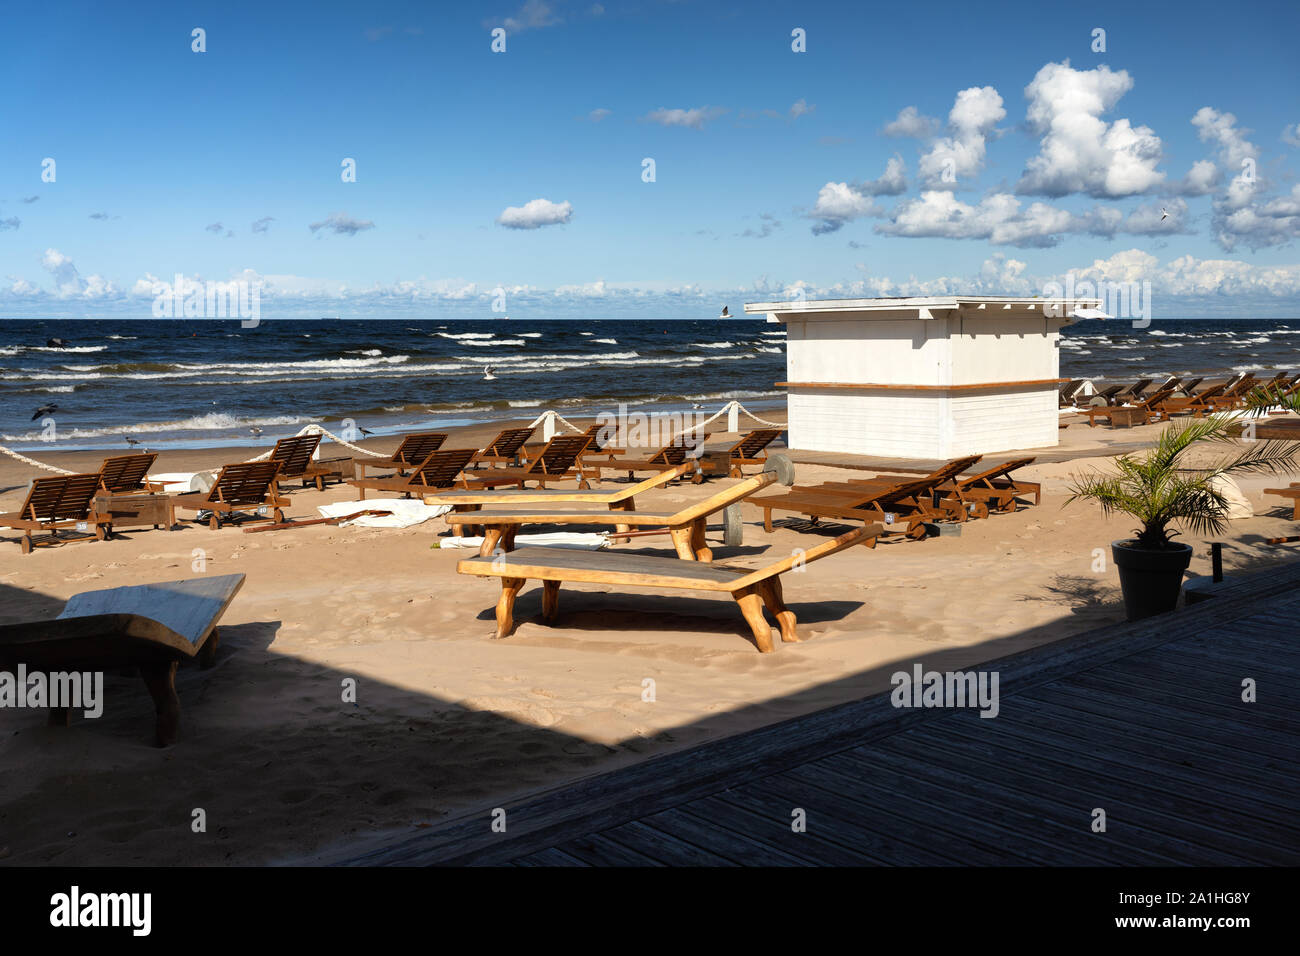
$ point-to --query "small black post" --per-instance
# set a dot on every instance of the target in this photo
(1216, 561)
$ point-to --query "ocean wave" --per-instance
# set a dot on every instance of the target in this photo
(713, 345)
(212, 421)
(606, 341)
(464, 335)
(494, 342)
(70, 348)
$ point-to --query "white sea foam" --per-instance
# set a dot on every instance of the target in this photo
(70, 348)
(464, 335)
(606, 341)
(713, 345)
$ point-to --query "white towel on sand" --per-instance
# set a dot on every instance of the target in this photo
(406, 512)
(178, 482)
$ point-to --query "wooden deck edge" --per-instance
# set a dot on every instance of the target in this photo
(607, 799)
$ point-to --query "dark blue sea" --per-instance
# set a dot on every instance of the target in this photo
(176, 383)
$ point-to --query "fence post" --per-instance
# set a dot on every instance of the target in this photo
(548, 426)
(733, 416)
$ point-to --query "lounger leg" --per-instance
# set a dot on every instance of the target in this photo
(550, 600)
(767, 520)
(508, 537)
(161, 681)
(491, 537)
(208, 652)
(698, 544)
(625, 505)
(682, 541)
(506, 605)
(775, 601)
(751, 605)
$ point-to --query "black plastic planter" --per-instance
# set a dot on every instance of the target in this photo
(1151, 580)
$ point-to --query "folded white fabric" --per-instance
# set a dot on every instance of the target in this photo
(406, 512)
(582, 541)
(176, 482)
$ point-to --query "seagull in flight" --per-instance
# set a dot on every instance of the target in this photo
(1163, 214)
(47, 409)
(725, 314)
(487, 373)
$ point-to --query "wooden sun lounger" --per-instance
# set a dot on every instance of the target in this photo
(1145, 410)
(667, 458)
(560, 459)
(1232, 397)
(1130, 393)
(150, 626)
(54, 504)
(413, 450)
(1105, 394)
(506, 448)
(440, 469)
(752, 589)
(994, 487)
(1066, 392)
(687, 526)
(908, 499)
(1196, 404)
(748, 450)
(622, 499)
(239, 487)
(295, 457)
(126, 473)
(1292, 492)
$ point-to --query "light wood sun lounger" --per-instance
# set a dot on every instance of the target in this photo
(413, 450)
(126, 473)
(687, 526)
(557, 461)
(621, 499)
(506, 448)
(440, 469)
(750, 449)
(667, 458)
(1151, 407)
(1196, 404)
(295, 457)
(239, 487)
(150, 626)
(751, 589)
(1293, 493)
(908, 499)
(54, 504)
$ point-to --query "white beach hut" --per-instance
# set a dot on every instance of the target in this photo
(923, 377)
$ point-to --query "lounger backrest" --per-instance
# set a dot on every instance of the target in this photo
(919, 486)
(441, 468)
(750, 445)
(415, 448)
(1108, 391)
(508, 443)
(1209, 392)
(675, 452)
(1003, 469)
(294, 454)
(801, 557)
(246, 483)
(1156, 398)
(559, 454)
(60, 498)
(1189, 385)
(125, 472)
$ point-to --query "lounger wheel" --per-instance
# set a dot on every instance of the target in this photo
(102, 532)
(1009, 506)
(917, 532)
(980, 510)
(782, 467)
(26, 544)
(278, 514)
(733, 528)
(214, 522)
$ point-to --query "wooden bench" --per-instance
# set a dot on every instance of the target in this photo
(150, 626)
(1292, 492)
(751, 589)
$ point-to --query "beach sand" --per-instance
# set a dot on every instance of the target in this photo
(448, 719)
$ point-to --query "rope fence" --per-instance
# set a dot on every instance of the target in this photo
(548, 420)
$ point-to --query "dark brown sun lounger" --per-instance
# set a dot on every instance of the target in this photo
(295, 457)
(995, 487)
(751, 589)
(1140, 412)
(903, 506)
(413, 450)
(149, 626)
(126, 473)
(55, 504)
(506, 448)
(557, 461)
(238, 488)
(440, 469)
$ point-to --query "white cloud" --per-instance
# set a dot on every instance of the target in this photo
(1290, 136)
(536, 213)
(838, 203)
(800, 108)
(339, 223)
(1221, 129)
(911, 124)
(1189, 276)
(1201, 180)
(693, 118)
(533, 15)
(598, 114)
(1079, 151)
(971, 121)
(997, 218)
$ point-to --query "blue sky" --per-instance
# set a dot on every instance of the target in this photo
(775, 170)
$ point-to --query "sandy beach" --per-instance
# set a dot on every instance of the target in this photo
(448, 719)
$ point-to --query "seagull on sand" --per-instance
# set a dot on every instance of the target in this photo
(254, 430)
(487, 373)
(47, 409)
(364, 431)
(131, 441)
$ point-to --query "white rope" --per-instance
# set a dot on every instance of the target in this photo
(761, 421)
(35, 464)
(559, 418)
(318, 430)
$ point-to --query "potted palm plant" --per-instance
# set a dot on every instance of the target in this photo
(1162, 489)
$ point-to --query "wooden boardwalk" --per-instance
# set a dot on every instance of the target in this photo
(1145, 721)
